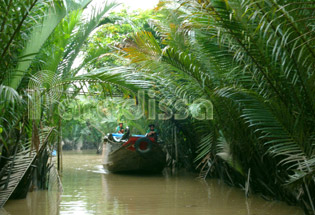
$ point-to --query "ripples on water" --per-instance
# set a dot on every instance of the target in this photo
(89, 189)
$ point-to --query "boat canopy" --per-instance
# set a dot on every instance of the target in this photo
(118, 136)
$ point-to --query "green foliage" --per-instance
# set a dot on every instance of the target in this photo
(111, 32)
(40, 41)
(87, 119)
(254, 60)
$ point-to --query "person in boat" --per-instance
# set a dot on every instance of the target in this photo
(120, 128)
(152, 132)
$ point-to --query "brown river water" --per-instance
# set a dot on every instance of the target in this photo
(88, 189)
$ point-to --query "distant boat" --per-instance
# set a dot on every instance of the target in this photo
(136, 153)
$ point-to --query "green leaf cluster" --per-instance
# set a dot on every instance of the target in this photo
(254, 60)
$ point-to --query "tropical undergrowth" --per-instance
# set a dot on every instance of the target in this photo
(254, 60)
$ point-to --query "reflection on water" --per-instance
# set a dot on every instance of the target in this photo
(88, 189)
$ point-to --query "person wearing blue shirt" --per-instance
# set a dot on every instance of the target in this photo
(120, 128)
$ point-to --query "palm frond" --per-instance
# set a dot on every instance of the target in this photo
(122, 77)
(90, 20)
(277, 134)
(9, 95)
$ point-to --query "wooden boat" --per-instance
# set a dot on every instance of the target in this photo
(136, 153)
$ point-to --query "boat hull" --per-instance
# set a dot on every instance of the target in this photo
(124, 158)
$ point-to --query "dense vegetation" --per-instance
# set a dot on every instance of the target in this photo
(250, 63)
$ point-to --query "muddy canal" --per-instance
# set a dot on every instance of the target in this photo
(88, 189)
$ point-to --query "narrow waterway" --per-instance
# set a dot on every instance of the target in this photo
(88, 189)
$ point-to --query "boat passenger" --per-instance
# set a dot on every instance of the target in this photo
(152, 132)
(120, 128)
